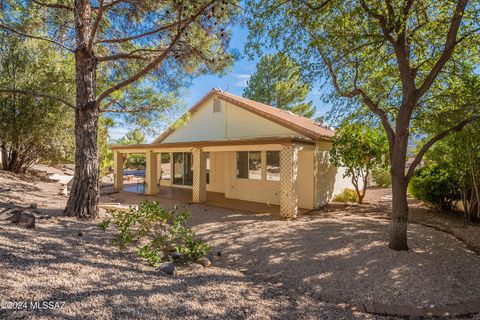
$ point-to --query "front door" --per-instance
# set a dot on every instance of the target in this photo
(182, 168)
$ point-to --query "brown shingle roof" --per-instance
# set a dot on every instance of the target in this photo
(302, 125)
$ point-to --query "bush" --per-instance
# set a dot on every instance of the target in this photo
(436, 186)
(348, 195)
(381, 177)
(155, 231)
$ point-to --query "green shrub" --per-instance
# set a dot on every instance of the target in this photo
(381, 177)
(436, 186)
(155, 231)
(348, 195)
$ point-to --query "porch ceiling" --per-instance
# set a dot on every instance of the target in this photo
(141, 148)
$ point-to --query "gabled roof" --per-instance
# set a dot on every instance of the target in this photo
(302, 125)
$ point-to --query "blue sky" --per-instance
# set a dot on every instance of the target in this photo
(234, 81)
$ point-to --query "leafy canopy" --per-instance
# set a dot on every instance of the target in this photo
(358, 148)
(278, 82)
(34, 129)
(145, 51)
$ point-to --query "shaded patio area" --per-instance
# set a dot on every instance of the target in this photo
(213, 198)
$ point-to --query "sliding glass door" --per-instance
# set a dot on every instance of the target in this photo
(182, 168)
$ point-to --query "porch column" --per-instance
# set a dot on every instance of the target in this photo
(118, 171)
(151, 173)
(199, 192)
(288, 181)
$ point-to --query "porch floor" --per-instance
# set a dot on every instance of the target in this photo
(215, 199)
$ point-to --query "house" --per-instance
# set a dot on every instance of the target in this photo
(244, 150)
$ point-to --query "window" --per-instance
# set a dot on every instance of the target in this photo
(242, 165)
(165, 166)
(182, 168)
(208, 167)
(249, 165)
(273, 165)
(255, 165)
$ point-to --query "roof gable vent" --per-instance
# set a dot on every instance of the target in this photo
(217, 105)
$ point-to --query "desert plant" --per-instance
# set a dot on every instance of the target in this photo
(381, 177)
(436, 186)
(155, 232)
(348, 195)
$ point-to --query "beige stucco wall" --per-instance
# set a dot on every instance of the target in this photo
(269, 191)
(329, 180)
(217, 172)
(231, 123)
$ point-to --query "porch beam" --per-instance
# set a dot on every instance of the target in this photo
(288, 181)
(118, 160)
(151, 173)
(199, 192)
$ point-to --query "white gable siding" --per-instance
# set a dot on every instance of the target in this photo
(231, 123)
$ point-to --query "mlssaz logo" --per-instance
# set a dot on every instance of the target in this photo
(46, 305)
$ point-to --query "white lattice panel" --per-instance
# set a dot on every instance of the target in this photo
(288, 178)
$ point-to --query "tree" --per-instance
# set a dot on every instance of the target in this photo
(359, 149)
(32, 129)
(135, 136)
(122, 49)
(459, 153)
(394, 57)
(278, 82)
(105, 153)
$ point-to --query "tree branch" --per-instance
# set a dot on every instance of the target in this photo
(156, 61)
(38, 94)
(381, 19)
(432, 141)
(2, 26)
(96, 23)
(365, 98)
(53, 5)
(447, 52)
(138, 36)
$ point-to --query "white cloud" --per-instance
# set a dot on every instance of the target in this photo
(241, 79)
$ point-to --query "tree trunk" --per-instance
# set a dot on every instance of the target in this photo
(399, 218)
(84, 195)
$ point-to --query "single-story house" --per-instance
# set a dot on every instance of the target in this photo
(243, 149)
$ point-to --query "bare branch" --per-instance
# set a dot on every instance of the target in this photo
(23, 34)
(38, 94)
(447, 52)
(434, 139)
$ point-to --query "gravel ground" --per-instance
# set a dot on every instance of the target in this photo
(96, 281)
(340, 252)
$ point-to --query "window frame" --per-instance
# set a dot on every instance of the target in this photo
(248, 171)
(267, 165)
(170, 158)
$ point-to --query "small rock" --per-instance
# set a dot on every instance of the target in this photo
(196, 266)
(204, 261)
(168, 268)
(23, 219)
(177, 255)
(33, 206)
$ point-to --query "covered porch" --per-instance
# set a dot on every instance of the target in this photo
(211, 172)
